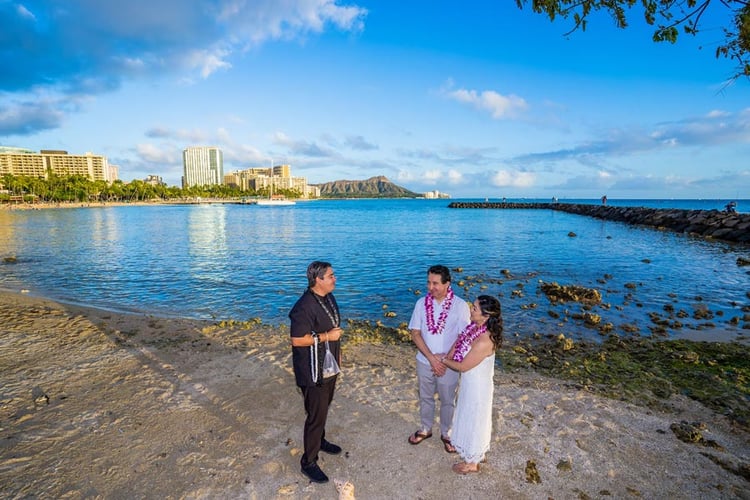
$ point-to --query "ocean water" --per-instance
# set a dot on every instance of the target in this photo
(222, 261)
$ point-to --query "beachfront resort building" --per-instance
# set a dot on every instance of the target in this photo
(275, 178)
(431, 195)
(154, 180)
(114, 172)
(25, 162)
(202, 166)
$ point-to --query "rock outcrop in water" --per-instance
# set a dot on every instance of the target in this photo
(715, 224)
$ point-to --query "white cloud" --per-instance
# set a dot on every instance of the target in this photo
(153, 154)
(432, 176)
(507, 178)
(716, 113)
(33, 113)
(195, 136)
(716, 128)
(405, 176)
(24, 12)
(182, 39)
(359, 143)
(304, 148)
(223, 135)
(455, 177)
(498, 105)
(208, 62)
(265, 20)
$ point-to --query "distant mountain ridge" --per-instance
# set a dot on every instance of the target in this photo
(374, 187)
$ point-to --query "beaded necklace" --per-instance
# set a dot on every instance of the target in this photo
(333, 313)
(465, 339)
(429, 309)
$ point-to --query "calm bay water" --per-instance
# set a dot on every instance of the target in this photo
(243, 261)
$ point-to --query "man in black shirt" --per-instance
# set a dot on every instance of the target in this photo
(315, 320)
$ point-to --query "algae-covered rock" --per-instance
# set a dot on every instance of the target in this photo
(693, 433)
(570, 293)
(532, 474)
(591, 319)
(646, 371)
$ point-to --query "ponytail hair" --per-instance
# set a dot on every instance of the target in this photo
(491, 308)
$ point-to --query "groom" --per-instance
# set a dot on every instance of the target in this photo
(437, 320)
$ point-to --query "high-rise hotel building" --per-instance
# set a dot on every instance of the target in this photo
(20, 161)
(202, 166)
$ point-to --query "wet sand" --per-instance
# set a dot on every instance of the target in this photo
(98, 404)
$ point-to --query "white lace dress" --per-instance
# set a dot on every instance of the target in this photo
(472, 420)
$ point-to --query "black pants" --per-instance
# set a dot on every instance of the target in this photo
(317, 400)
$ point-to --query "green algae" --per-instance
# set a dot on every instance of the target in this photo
(638, 370)
(362, 331)
(645, 371)
(532, 474)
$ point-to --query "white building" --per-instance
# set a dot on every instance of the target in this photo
(154, 180)
(25, 162)
(202, 166)
(431, 195)
(276, 177)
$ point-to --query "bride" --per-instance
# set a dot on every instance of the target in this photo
(473, 355)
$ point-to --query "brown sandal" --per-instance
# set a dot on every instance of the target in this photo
(419, 436)
(448, 445)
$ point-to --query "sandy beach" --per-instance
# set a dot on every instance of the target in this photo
(98, 404)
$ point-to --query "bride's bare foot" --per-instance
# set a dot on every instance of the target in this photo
(465, 468)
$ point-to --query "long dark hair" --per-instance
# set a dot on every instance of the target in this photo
(491, 308)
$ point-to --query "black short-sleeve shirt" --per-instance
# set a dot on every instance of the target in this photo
(308, 315)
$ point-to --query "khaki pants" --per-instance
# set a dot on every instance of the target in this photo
(445, 387)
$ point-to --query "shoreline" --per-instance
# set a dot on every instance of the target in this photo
(99, 204)
(142, 406)
(717, 333)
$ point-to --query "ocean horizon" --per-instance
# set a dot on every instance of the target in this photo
(222, 261)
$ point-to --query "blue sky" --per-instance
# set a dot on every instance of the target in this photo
(472, 98)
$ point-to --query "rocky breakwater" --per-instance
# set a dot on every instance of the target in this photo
(734, 227)
(706, 223)
(493, 204)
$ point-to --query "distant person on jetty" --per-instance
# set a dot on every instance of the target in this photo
(435, 323)
(731, 207)
(315, 321)
(473, 355)
(604, 199)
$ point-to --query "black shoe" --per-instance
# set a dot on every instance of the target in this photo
(330, 448)
(314, 473)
